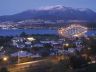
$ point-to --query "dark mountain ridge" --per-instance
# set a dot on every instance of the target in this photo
(53, 13)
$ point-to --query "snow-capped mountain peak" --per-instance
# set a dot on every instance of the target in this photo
(63, 8)
(85, 9)
(57, 7)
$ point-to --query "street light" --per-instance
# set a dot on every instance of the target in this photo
(66, 44)
(89, 48)
(5, 58)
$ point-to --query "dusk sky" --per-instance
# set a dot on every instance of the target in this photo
(8, 7)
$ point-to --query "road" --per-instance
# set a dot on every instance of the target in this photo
(23, 67)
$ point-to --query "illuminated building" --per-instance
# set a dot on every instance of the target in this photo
(73, 31)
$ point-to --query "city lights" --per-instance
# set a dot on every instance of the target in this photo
(31, 38)
(73, 31)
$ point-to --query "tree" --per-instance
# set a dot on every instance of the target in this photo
(62, 66)
(4, 69)
(77, 62)
(44, 52)
(23, 34)
(47, 46)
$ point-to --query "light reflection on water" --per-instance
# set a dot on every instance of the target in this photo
(14, 32)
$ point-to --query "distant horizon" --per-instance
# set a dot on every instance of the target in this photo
(9, 7)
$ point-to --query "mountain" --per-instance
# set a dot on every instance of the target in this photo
(53, 13)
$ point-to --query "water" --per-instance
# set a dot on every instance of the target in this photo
(14, 32)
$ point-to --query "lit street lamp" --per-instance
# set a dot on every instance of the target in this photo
(5, 58)
(67, 45)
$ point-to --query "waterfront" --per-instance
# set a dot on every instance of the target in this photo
(16, 32)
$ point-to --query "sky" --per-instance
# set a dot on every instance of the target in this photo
(9, 7)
